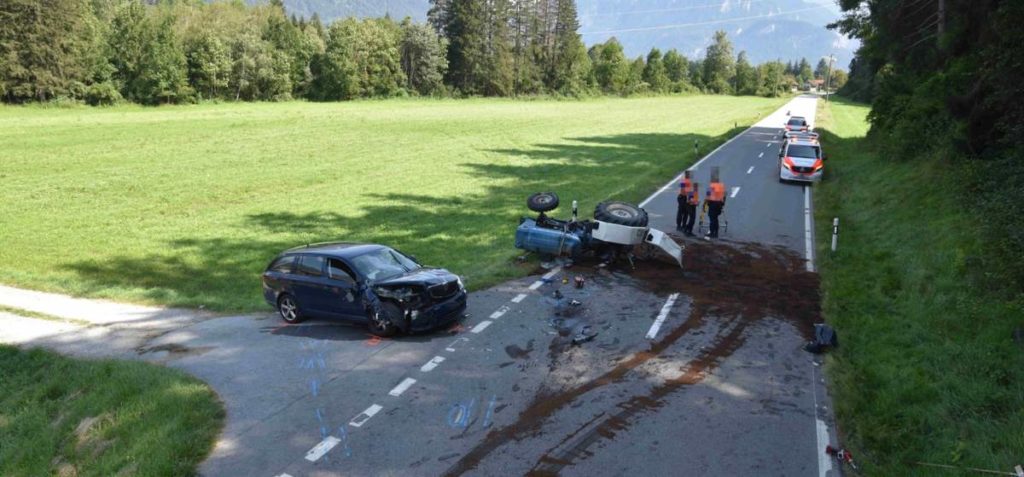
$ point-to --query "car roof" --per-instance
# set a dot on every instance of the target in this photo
(335, 249)
(803, 142)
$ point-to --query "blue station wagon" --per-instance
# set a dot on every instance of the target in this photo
(365, 283)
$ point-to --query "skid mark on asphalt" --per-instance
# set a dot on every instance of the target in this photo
(738, 286)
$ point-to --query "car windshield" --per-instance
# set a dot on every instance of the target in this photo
(383, 264)
(799, 150)
(795, 122)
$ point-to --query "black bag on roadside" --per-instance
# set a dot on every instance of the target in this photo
(825, 337)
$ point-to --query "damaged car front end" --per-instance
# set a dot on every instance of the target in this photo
(377, 285)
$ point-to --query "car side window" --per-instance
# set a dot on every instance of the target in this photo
(283, 264)
(311, 266)
(337, 270)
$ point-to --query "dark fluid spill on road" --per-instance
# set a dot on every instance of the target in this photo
(515, 352)
(737, 284)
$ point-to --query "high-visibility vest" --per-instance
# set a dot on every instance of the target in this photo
(694, 197)
(685, 187)
(716, 192)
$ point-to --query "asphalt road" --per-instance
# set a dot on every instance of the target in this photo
(691, 372)
(514, 397)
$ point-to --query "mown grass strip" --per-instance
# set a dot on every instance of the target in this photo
(928, 370)
(62, 416)
(186, 205)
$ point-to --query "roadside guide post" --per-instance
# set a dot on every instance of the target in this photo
(835, 233)
(696, 155)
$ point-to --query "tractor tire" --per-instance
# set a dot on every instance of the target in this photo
(620, 213)
(542, 202)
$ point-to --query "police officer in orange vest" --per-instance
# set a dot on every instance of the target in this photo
(714, 202)
(687, 202)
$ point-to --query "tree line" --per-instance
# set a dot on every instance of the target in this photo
(943, 79)
(175, 51)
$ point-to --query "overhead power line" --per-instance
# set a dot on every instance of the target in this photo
(661, 10)
(711, 22)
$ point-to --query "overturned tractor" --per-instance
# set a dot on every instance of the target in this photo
(619, 230)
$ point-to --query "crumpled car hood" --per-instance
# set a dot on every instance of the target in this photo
(424, 276)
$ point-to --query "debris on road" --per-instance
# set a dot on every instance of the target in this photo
(583, 335)
(824, 338)
(843, 456)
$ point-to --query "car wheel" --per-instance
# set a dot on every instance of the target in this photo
(620, 213)
(542, 202)
(289, 309)
(381, 319)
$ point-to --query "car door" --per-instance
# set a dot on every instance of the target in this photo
(345, 297)
(310, 285)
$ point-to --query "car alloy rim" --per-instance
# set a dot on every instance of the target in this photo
(379, 321)
(288, 309)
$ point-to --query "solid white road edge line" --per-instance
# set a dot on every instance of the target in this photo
(322, 448)
(402, 386)
(750, 170)
(518, 298)
(433, 363)
(824, 461)
(364, 416)
(735, 190)
(481, 326)
(661, 316)
(808, 242)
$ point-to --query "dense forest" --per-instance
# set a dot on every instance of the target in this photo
(943, 77)
(179, 51)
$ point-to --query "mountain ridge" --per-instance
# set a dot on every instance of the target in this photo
(765, 29)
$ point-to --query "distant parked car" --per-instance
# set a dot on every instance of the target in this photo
(797, 123)
(364, 283)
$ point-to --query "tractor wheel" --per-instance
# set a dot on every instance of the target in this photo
(542, 202)
(620, 213)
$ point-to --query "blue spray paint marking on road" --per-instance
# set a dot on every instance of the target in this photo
(324, 431)
(459, 414)
(490, 411)
(343, 435)
(314, 385)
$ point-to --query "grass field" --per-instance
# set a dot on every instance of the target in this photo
(927, 370)
(186, 205)
(65, 417)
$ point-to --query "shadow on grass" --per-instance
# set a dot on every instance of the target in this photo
(471, 235)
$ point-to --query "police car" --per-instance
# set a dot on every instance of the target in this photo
(801, 160)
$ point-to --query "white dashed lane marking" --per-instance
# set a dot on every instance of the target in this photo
(768, 145)
(481, 326)
(364, 416)
(760, 155)
(322, 448)
(537, 284)
(451, 347)
(661, 316)
(433, 363)
(402, 387)
(736, 190)
(750, 170)
(498, 314)
(518, 298)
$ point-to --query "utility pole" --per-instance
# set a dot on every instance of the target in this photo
(942, 17)
(828, 80)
